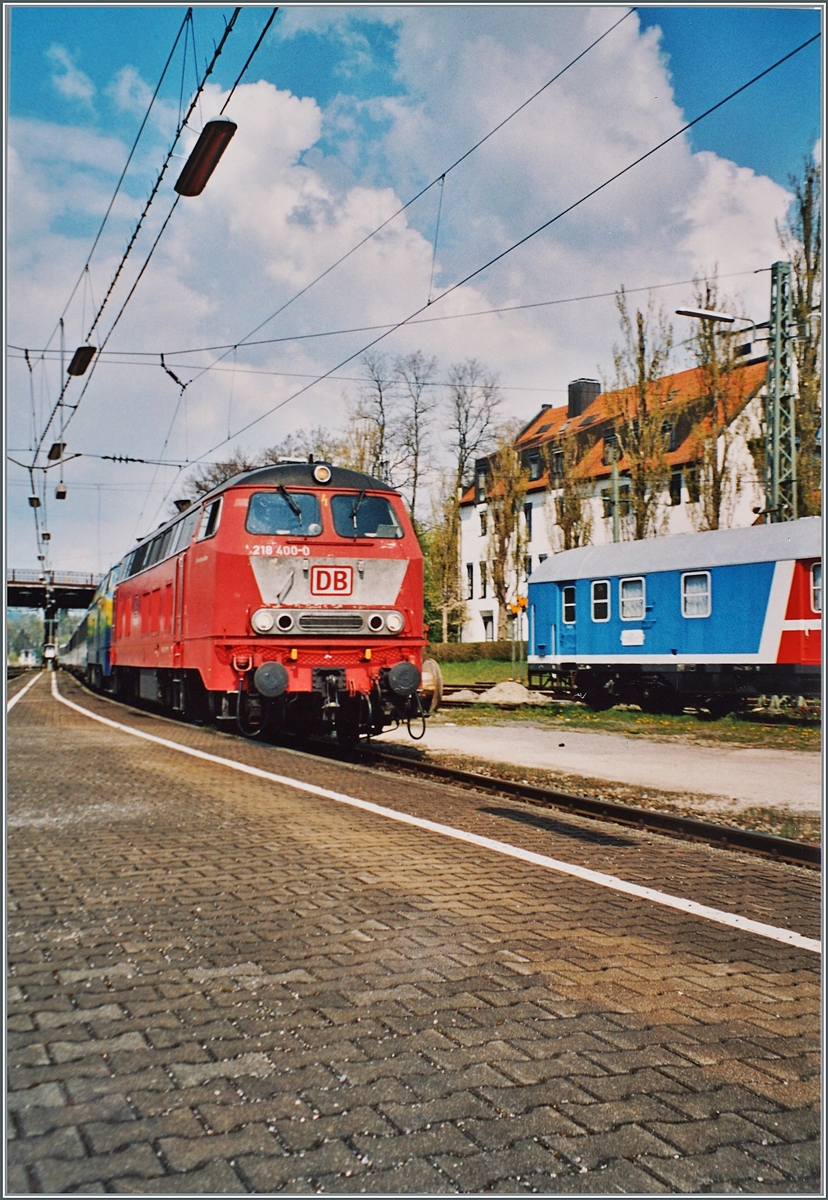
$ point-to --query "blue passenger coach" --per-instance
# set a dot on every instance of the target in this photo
(702, 619)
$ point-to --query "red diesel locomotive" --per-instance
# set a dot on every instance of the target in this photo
(289, 600)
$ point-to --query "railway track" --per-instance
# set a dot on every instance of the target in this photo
(724, 837)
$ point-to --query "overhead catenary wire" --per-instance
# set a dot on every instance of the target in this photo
(322, 275)
(250, 58)
(85, 268)
(520, 242)
(480, 312)
(208, 71)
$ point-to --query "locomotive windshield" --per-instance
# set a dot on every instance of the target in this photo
(293, 513)
(364, 516)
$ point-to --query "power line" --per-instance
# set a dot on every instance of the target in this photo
(428, 186)
(250, 58)
(199, 90)
(188, 17)
(521, 242)
(300, 337)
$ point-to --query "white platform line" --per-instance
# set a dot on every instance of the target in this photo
(19, 695)
(733, 920)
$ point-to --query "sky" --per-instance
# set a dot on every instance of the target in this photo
(345, 114)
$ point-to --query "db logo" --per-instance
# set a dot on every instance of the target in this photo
(331, 581)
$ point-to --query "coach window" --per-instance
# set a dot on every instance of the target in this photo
(364, 516)
(184, 530)
(816, 587)
(695, 594)
(600, 600)
(210, 517)
(569, 604)
(632, 599)
(293, 514)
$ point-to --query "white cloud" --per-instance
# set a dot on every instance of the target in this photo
(73, 83)
(297, 187)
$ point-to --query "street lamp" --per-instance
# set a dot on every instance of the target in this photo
(204, 156)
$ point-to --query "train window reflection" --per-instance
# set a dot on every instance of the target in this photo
(295, 514)
(365, 516)
(632, 599)
(695, 594)
(816, 587)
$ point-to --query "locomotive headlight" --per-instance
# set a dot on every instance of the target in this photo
(262, 620)
(322, 473)
(394, 622)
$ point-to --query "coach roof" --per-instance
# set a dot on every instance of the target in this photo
(686, 552)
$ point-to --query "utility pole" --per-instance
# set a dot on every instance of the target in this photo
(780, 403)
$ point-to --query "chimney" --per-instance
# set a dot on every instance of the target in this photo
(581, 394)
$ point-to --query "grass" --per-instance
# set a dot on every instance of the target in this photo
(744, 730)
(487, 670)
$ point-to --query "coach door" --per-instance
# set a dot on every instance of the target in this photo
(178, 609)
(567, 642)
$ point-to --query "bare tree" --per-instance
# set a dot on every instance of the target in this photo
(212, 474)
(570, 506)
(722, 395)
(442, 554)
(374, 417)
(417, 401)
(638, 406)
(801, 239)
(474, 400)
(508, 479)
(324, 444)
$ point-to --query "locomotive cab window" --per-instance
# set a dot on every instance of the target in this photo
(294, 514)
(600, 600)
(695, 594)
(365, 516)
(210, 517)
(569, 604)
(632, 598)
(816, 587)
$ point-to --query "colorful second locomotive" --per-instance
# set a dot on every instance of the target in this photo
(288, 599)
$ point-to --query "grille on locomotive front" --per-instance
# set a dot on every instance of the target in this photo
(331, 622)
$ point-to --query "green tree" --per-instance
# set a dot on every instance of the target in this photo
(572, 525)
(507, 482)
(638, 407)
(721, 397)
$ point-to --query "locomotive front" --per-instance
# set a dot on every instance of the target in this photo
(311, 586)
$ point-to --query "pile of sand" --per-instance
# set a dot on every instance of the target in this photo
(508, 694)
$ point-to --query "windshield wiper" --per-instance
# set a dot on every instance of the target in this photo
(355, 509)
(291, 503)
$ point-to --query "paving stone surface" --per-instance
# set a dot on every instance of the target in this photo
(220, 984)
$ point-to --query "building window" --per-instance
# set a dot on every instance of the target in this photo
(527, 565)
(535, 465)
(692, 480)
(695, 594)
(470, 581)
(527, 515)
(623, 501)
(675, 488)
(612, 451)
(542, 557)
(569, 604)
(600, 600)
(484, 580)
(631, 593)
(816, 587)
(484, 524)
(488, 626)
(481, 485)
(668, 432)
(557, 464)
